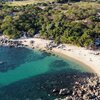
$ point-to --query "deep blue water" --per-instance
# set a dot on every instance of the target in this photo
(27, 74)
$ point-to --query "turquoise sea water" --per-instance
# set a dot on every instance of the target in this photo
(29, 74)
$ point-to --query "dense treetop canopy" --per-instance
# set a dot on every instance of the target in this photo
(73, 24)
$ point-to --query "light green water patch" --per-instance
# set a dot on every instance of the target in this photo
(24, 71)
(27, 70)
(44, 64)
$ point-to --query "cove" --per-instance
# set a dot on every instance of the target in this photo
(30, 69)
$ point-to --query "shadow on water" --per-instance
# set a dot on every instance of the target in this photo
(14, 57)
(41, 86)
(59, 64)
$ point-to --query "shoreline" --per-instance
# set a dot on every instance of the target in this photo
(85, 86)
(67, 57)
(93, 64)
(82, 56)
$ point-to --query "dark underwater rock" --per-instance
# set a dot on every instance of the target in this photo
(58, 64)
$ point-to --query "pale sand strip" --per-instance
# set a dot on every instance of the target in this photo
(82, 55)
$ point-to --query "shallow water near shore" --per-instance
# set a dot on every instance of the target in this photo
(32, 74)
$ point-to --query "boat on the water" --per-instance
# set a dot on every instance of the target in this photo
(2, 62)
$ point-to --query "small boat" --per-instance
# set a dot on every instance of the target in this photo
(2, 62)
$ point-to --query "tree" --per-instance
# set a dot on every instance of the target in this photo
(31, 32)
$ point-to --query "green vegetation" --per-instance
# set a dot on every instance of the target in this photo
(76, 24)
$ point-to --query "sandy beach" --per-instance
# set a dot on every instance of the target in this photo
(89, 58)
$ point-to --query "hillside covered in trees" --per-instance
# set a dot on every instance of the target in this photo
(76, 24)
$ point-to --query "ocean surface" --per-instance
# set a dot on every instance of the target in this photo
(27, 74)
